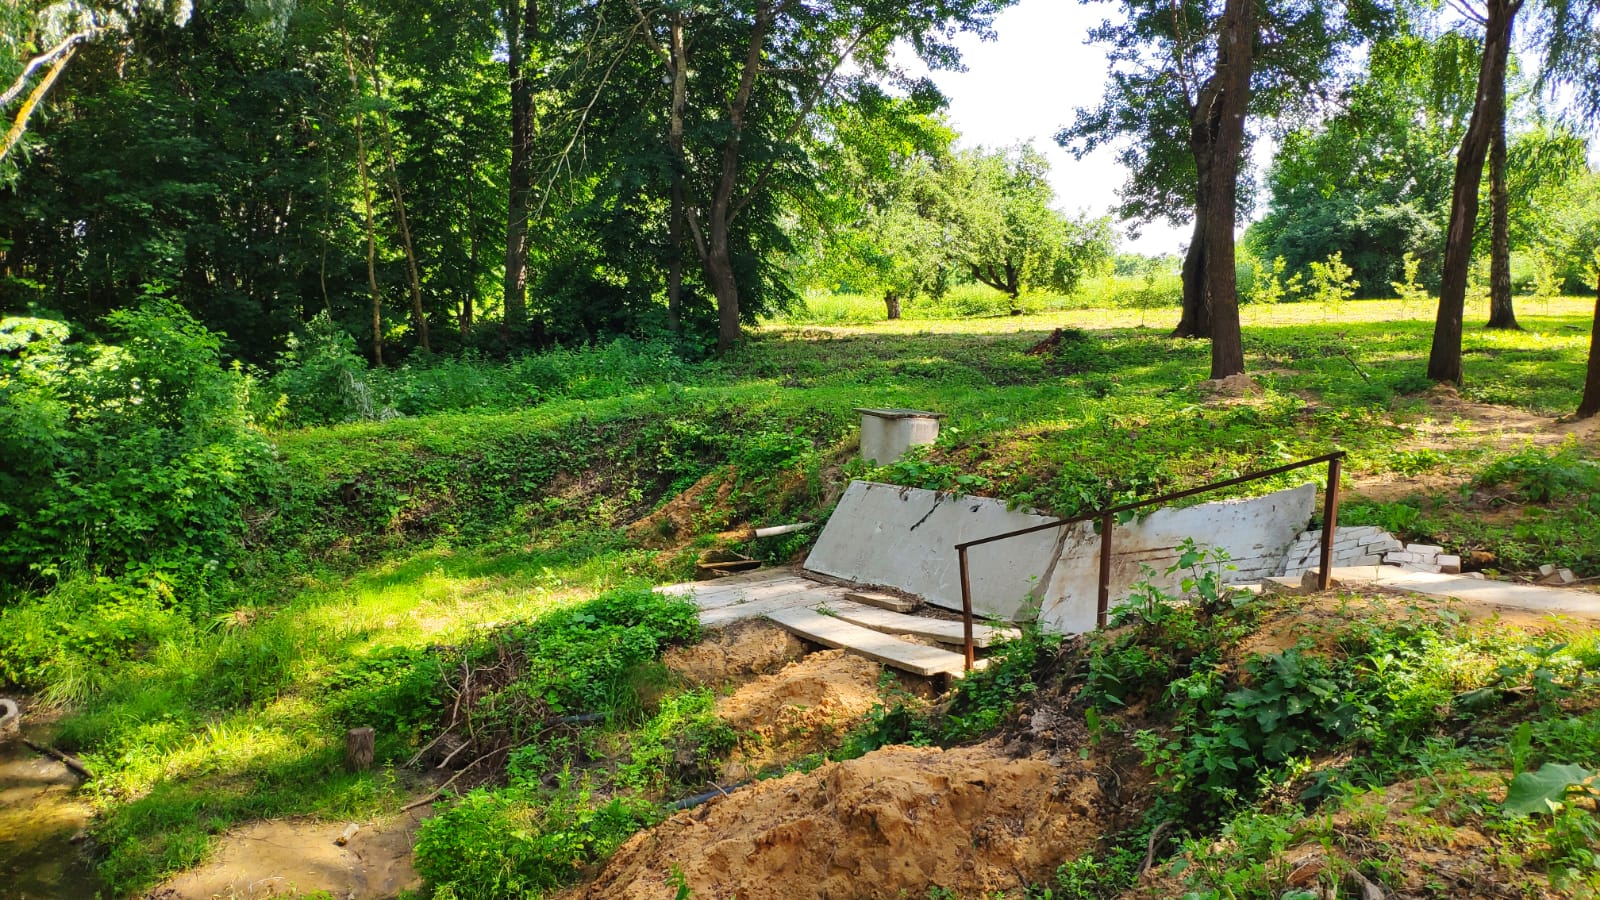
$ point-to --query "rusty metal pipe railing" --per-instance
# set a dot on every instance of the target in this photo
(1107, 517)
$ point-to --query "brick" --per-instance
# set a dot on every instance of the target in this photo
(1428, 549)
(1547, 569)
(1401, 557)
(1450, 564)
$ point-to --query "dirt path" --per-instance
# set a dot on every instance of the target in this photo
(292, 857)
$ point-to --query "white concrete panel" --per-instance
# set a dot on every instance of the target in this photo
(905, 538)
(1255, 532)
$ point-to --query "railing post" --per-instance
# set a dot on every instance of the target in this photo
(1330, 522)
(1103, 601)
(966, 609)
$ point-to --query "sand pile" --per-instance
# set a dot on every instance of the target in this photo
(806, 708)
(743, 649)
(893, 823)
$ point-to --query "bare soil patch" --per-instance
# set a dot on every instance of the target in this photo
(806, 708)
(742, 650)
(294, 857)
(893, 823)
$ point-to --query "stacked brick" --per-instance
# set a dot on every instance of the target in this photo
(1424, 558)
(1356, 545)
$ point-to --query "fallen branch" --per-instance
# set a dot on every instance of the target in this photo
(1150, 849)
(66, 759)
(446, 786)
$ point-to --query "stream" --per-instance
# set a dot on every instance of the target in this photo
(39, 817)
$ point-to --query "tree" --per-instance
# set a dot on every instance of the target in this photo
(1590, 404)
(1568, 32)
(1004, 231)
(1185, 76)
(766, 68)
(41, 49)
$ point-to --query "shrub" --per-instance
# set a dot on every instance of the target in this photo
(116, 454)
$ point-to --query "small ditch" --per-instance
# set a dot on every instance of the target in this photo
(41, 819)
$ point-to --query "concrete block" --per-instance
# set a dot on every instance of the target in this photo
(1401, 557)
(1255, 532)
(1425, 549)
(1478, 575)
(905, 538)
(1368, 560)
(1383, 545)
(886, 434)
(1421, 567)
(1449, 564)
(1357, 532)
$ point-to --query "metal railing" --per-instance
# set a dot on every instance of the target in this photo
(1107, 517)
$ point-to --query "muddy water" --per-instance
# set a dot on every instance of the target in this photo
(38, 818)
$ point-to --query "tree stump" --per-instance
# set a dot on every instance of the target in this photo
(358, 749)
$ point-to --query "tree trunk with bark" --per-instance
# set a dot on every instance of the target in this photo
(1590, 404)
(891, 301)
(1444, 359)
(1235, 57)
(419, 317)
(366, 200)
(677, 70)
(1195, 321)
(522, 25)
(1502, 314)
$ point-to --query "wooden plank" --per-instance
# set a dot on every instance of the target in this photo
(787, 587)
(944, 631)
(727, 615)
(831, 631)
(759, 576)
(883, 601)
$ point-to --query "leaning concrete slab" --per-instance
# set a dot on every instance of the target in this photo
(830, 631)
(1255, 532)
(905, 538)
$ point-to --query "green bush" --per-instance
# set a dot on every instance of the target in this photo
(114, 454)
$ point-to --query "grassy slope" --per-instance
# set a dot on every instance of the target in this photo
(484, 517)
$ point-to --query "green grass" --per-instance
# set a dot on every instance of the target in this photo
(378, 540)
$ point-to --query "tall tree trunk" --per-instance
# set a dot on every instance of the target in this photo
(891, 301)
(1444, 360)
(715, 250)
(1501, 312)
(1196, 318)
(678, 71)
(1235, 57)
(366, 200)
(522, 24)
(1590, 404)
(472, 261)
(419, 317)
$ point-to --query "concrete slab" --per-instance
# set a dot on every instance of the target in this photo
(883, 601)
(905, 538)
(830, 631)
(945, 631)
(1256, 532)
(1561, 601)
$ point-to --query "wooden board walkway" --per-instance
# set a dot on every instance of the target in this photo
(832, 631)
(826, 614)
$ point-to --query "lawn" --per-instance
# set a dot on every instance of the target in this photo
(381, 540)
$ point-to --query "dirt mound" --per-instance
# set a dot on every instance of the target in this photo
(806, 708)
(744, 649)
(893, 823)
(687, 515)
(294, 857)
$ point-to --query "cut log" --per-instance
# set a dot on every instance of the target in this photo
(358, 749)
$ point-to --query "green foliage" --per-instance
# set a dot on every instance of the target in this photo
(678, 747)
(117, 457)
(1411, 293)
(1331, 281)
(985, 697)
(395, 690)
(523, 841)
(1537, 476)
(1548, 790)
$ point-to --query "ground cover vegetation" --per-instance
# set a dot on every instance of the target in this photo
(364, 364)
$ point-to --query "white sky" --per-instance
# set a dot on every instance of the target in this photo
(1024, 86)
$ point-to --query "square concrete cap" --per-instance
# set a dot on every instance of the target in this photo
(900, 413)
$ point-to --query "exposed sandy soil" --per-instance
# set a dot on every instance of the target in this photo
(683, 517)
(292, 857)
(742, 650)
(806, 708)
(893, 823)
